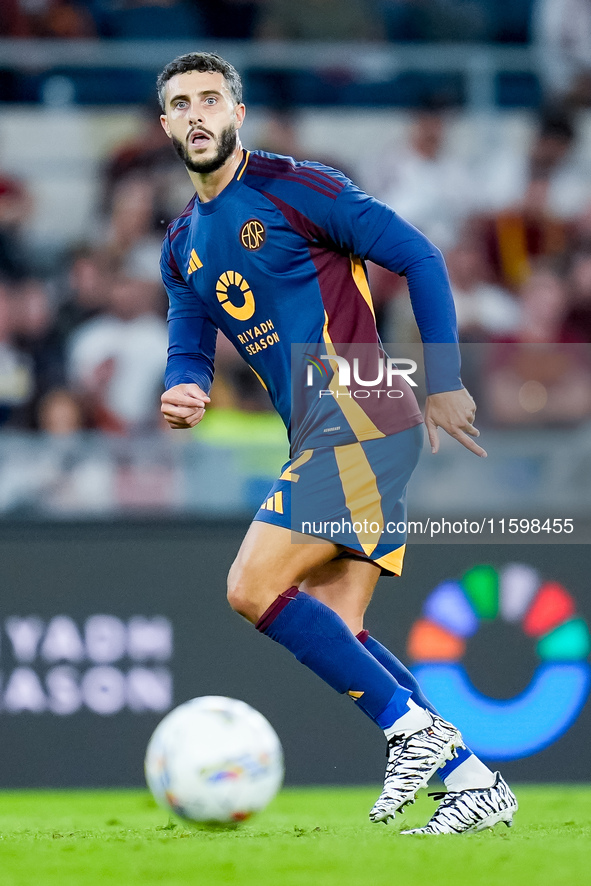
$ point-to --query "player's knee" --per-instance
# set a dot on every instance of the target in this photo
(250, 593)
(240, 596)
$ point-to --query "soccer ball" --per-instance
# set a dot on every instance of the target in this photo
(214, 759)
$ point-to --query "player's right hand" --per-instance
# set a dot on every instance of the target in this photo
(454, 411)
(183, 406)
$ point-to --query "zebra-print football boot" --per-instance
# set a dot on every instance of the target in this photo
(411, 762)
(471, 810)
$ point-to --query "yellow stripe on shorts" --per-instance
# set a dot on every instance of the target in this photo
(393, 561)
(362, 496)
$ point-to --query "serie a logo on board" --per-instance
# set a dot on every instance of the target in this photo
(509, 728)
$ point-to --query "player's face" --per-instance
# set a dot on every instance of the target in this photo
(201, 118)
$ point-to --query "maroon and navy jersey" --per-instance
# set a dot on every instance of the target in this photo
(277, 260)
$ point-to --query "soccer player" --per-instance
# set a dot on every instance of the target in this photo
(271, 252)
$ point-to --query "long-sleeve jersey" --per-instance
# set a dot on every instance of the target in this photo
(277, 260)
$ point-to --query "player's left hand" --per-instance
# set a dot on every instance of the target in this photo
(454, 411)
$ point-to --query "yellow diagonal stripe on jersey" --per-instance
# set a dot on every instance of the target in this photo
(259, 378)
(355, 694)
(278, 502)
(361, 282)
(360, 423)
(195, 262)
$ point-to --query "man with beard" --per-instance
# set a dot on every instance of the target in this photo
(271, 252)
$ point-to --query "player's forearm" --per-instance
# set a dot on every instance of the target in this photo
(401, 248)
(434, 311)
(183, 369)
(191, 350)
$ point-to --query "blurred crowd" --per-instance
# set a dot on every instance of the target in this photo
(83, 334)
(83, 343)
(83, 346)
(515, 229)
(504, 21)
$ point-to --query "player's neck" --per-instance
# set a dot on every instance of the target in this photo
(209, 185)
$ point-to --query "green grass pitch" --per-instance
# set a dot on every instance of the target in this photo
(307, 837)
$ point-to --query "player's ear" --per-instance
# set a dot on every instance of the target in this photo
(165, 125)
(240, 114)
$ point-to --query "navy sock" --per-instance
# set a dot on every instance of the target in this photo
(395, 667)
(403, 676)
(321, 640)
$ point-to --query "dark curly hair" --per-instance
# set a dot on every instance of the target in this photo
(200, 61)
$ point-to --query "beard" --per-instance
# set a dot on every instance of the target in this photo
(226, 142)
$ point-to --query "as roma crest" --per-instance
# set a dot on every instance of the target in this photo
(252, 234)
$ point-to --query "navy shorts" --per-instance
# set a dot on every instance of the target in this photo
(352, 495)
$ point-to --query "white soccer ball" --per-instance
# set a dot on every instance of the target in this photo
(214, 759)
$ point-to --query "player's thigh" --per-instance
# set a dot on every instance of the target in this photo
(346, 585)
(272, 559)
